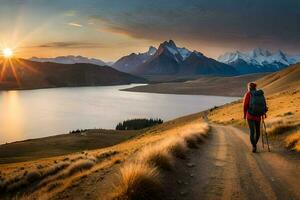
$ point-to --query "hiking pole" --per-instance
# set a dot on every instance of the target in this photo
(262, 139)
(267, 140)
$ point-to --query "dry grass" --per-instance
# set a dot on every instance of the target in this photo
(138, 181)
(79, 166)
(156, 156)
(37, 174)
(177, 147)
(140, 176)
(293, 141)
(50, 176)
(47, 177)
(281, 127)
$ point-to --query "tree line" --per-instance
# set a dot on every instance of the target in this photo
(137, 124)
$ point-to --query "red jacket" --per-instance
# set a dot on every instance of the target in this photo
(247, 115)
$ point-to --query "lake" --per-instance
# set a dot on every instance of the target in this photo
(38, 113)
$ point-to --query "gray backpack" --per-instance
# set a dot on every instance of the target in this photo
(257, 104)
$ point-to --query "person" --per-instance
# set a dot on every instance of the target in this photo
(254, 109)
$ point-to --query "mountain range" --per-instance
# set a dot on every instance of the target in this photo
(169, 59)
(70, 59)
(258, 60)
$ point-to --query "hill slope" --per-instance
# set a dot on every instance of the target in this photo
(25, 74)
(285, 79)
(205, 85)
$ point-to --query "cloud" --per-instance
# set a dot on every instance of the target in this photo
(75, 24)
(70, 44)
(235, 22)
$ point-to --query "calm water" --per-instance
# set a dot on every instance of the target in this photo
(38, 113)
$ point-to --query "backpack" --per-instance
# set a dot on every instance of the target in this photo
(257, 104)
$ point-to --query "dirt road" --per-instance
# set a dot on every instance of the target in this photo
(225, 168)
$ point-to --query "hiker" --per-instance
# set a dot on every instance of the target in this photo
(254, 109)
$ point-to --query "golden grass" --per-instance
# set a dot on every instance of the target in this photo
(156, 156)
(140, 176)
(85, 163)
(293, 141)
(50, 176)
(281, 127)
(138, 181)
(177, 147)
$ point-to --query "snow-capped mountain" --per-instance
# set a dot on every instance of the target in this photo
(258, 60)
(70, 60)
(169, 59)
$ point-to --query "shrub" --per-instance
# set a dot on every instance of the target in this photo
(280, 128)
(178, 148)
(157, 156)
(79, 166)
(293, 141)
(138, 181)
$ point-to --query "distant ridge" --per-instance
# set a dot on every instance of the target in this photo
(34, 75)
(70, 59)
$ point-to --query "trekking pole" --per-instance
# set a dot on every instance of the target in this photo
(262, 139)
(267, 140)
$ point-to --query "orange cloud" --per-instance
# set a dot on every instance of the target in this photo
(75, 24)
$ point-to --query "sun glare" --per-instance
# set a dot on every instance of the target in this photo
(7, 52)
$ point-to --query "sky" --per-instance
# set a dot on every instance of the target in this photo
(109, 29)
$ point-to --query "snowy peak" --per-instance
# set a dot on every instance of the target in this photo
(70, 59)
(259, 52)
(259, 56)
(171, 47)
(258, 60)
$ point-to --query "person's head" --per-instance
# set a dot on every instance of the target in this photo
(251, 86)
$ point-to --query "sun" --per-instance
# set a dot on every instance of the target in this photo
(7, 52)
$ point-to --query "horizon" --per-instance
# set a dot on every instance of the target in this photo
(110, 30)
(273, 51)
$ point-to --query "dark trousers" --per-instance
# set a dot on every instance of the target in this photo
(254, 127)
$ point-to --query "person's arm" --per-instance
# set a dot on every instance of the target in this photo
(246, 103)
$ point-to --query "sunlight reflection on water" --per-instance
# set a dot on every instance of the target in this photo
(38, 113)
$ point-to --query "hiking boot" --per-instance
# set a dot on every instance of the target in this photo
(254, 149)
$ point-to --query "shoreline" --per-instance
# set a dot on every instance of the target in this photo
(209, 86)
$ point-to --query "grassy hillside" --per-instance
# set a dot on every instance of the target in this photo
(25, 74)
(285, 79)
(46, 177)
